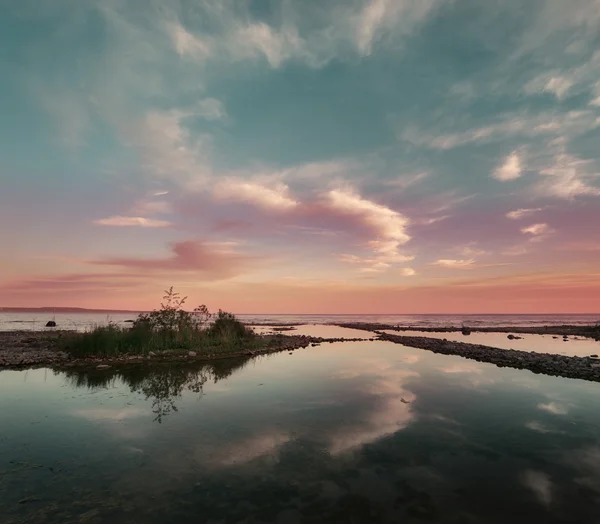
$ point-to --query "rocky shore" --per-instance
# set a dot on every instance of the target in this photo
(587, 368)
(23, 349)
(566, 330)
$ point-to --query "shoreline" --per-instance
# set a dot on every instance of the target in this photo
(592, 332)
(35, 349)
(585, 368)
(26, 349)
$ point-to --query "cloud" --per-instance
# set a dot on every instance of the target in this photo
(210, 109)
(213, 261)
(238, 34)
(260, 39)
(121, 221)
(270, 196)
(389, 226)
(407, 272)
(187, 44)
(550, 83)
(456, 264)
(396, 16)
(568, 177)
(515, 251)
(510, 169)
(386, 223)
(74, 283)
(566, 124)
(404, 182)
(538, 232)
(517, 214)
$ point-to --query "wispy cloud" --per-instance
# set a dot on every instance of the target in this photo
(208, 260)
(271, 195)
(456, 264)
(121, 221)
(396, 16)
(570, 124)
(537, 232)
(568, 177)
(517, 214)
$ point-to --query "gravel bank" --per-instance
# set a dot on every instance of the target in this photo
(23, 349)
(577, 331)
(586, 368)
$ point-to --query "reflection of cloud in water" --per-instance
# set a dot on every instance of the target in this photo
(474, 375)
(108, 414)
(540, 484)
(540, 428)
(588, 463)
(554, 408)
(465, 367)
(390, 414)
(250, 449)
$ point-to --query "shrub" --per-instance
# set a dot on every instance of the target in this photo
(170, 327)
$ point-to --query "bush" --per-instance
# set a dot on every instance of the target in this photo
(170, 327)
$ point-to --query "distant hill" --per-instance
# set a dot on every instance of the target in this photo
(62, 310)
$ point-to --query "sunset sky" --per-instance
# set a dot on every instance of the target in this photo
(301, 156)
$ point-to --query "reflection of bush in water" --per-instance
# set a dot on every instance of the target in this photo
(162, 383)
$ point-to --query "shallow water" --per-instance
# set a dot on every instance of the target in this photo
(343, 432)
(315, 330)
(574, 347)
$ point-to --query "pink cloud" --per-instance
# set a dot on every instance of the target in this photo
(122, 221)
(213, 261)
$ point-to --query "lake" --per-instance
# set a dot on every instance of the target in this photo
(348, 432)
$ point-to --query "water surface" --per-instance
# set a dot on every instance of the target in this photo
(572, 347)
(344, 432)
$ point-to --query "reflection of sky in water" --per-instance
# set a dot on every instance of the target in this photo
(316, 330)
(345, 432)
(575, 346)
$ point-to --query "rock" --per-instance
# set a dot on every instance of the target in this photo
(191, 353)
(103, 366)
(593, 356)
(151, 354)
(50, 323)
(514, 337)
(465, 331)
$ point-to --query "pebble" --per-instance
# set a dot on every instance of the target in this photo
(191, 354)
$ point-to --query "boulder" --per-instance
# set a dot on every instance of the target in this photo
(191, 353)
(465, 331)
(50, 323)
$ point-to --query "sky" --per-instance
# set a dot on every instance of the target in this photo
(301, 156)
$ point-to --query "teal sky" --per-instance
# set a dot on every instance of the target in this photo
(393, 155)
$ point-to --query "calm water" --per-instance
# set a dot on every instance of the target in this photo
(83, 321)
(348, 432)
(573, 347)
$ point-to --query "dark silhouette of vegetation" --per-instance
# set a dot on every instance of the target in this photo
(169, 328)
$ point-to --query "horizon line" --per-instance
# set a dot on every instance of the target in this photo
(67, 309)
